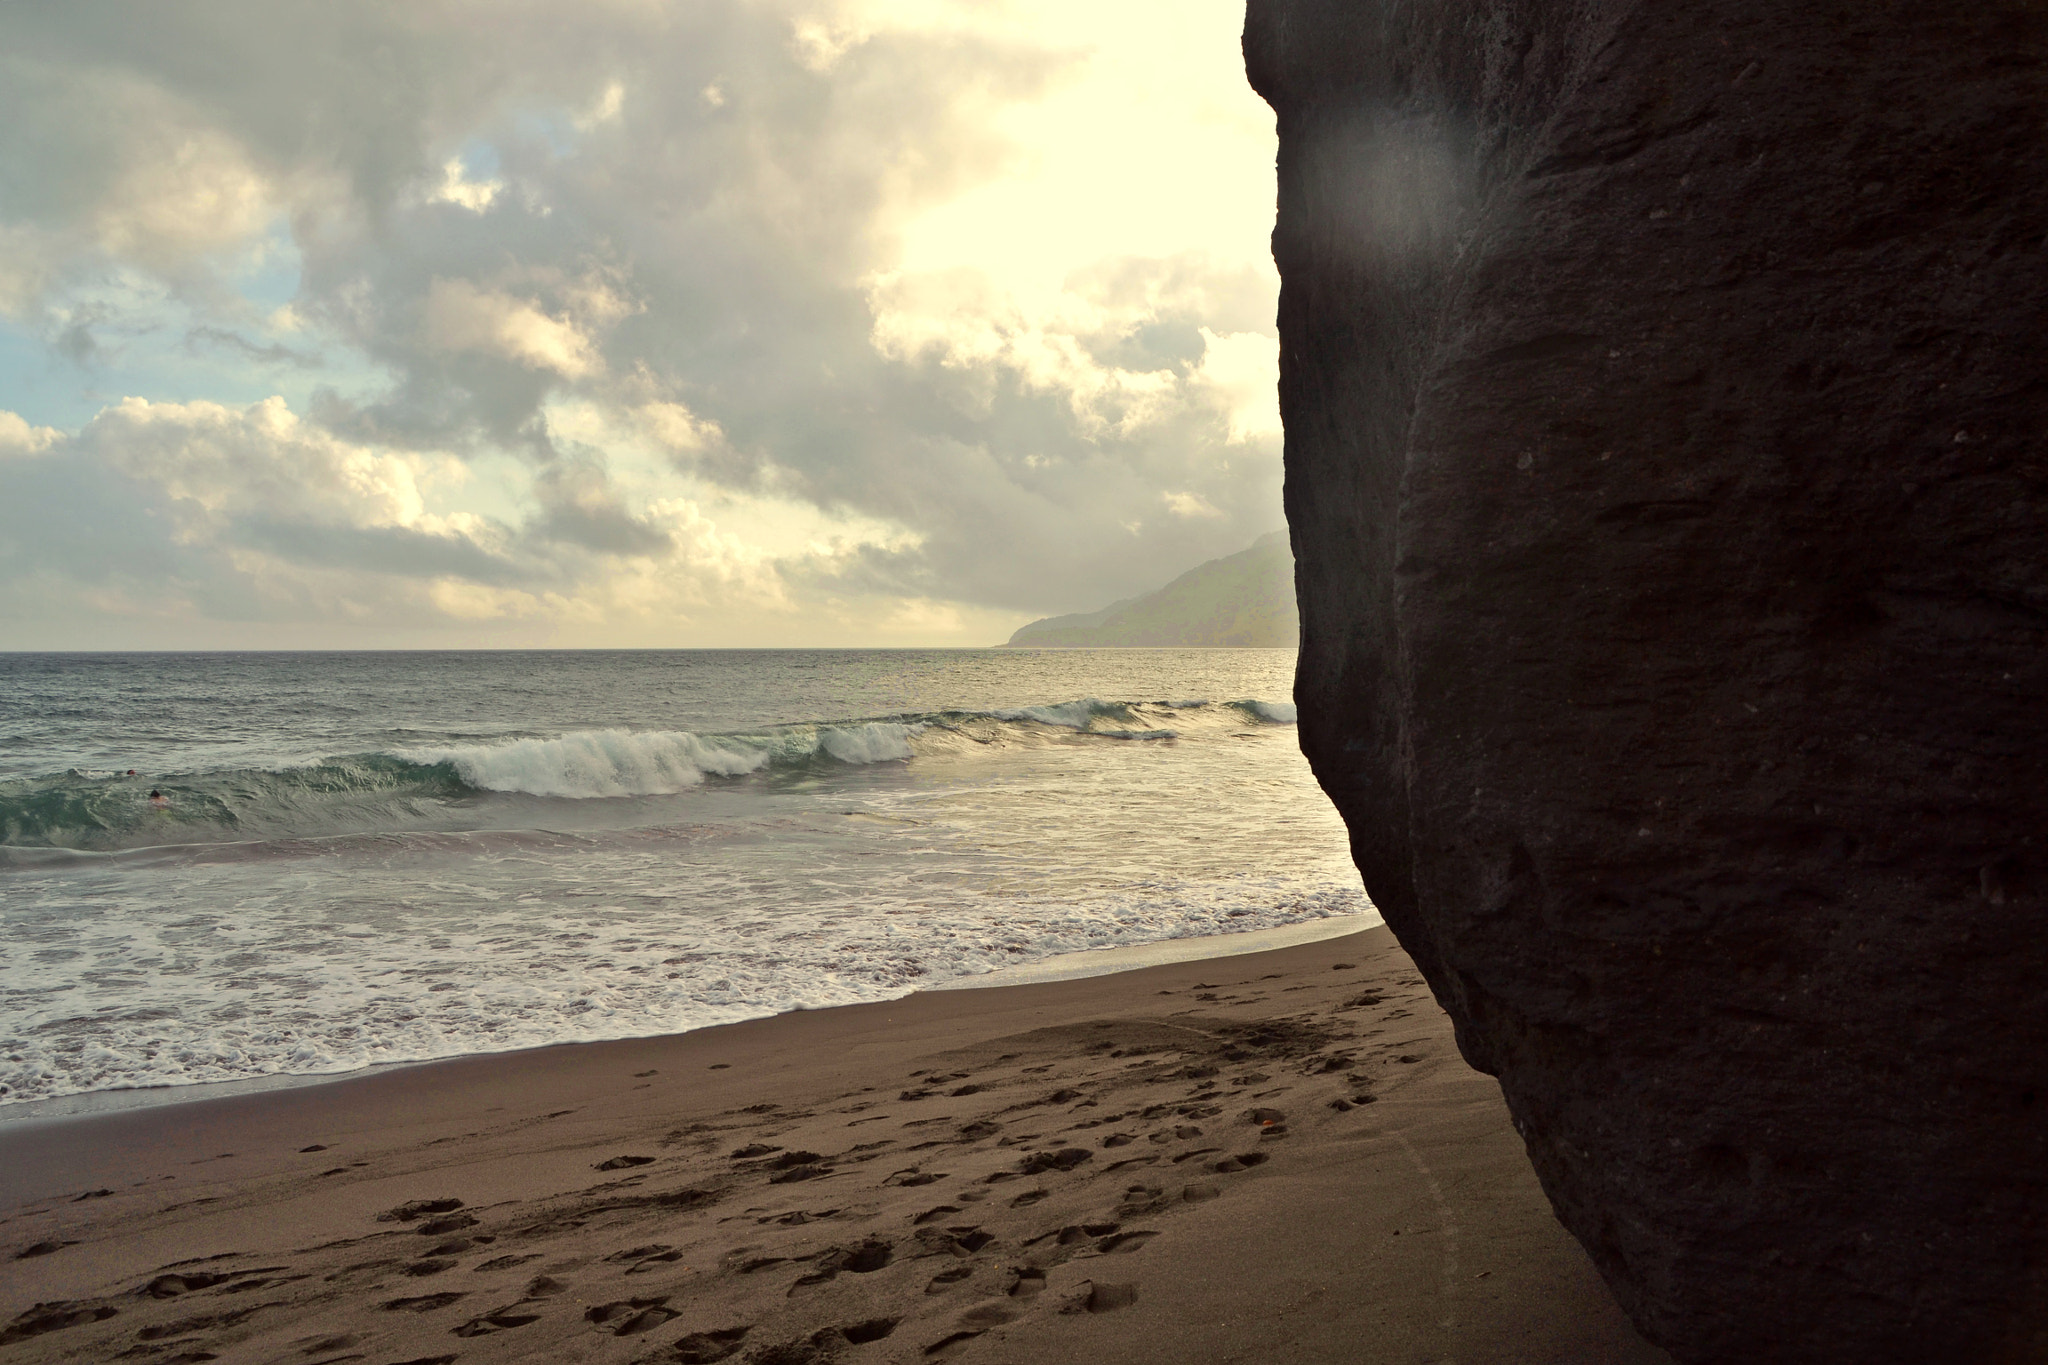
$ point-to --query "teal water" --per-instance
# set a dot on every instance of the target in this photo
(368, 858)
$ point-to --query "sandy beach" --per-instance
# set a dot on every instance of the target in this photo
(1273, 1157)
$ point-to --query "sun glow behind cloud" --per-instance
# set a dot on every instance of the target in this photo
(730, 323)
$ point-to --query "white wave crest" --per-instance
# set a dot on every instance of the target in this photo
(1273, 712)
(874, 742)
(1073, 715)
(596, 763)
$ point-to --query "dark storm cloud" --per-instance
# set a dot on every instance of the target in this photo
(396, 550)
(582, 509)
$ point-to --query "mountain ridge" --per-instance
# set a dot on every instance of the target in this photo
(1242, 600)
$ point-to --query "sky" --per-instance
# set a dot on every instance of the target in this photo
(624, 323)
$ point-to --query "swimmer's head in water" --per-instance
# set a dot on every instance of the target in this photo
(155, 795)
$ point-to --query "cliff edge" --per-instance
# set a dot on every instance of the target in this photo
(1664, 407)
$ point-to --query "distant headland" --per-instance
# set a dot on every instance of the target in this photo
(1241, 600)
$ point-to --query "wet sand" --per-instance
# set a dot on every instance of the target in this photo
(1270, 1157)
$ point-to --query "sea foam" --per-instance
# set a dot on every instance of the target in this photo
(597, 763)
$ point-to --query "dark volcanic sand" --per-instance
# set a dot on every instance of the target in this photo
(1165, 1165)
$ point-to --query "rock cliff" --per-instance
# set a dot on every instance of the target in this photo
(1666, 388)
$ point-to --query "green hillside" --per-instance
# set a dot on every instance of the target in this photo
(1245, 599)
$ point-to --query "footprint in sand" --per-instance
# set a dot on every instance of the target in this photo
(874, 1329)
(507, 1262)
(414, 1210)
(497, 1320)
(705, 1348)
(640, 1253)
(41, 1249)
(1140, 1200)
(984, 1316)
(1027, 1282)
(865, 1259)
(52, 1317)
(170, 1286)
(185, 1326)
(425, 1303)
(1098, 1297)
(1242, 1161)
(946, 1279)
(654, 1262)
(1083, 1232)
(1065, 1159)
(630, 1317)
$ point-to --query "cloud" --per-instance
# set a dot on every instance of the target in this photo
(457, 187)
(603, 109)
(180, 194)
(1188, 505)
(271, 354)
(213, 461)
(582, 508)
(652, 320)
(18, 438)
(459, 316)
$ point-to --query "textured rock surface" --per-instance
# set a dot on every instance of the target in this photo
(1666, 391)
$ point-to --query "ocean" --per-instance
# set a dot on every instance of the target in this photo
(367, 858)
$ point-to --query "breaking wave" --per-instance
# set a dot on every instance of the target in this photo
(355, 793)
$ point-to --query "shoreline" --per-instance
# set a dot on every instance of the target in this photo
(1058, 967)
(1271, 1155)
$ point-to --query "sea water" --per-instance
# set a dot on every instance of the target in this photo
(367, 858)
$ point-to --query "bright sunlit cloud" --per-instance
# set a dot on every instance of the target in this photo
(728, 322)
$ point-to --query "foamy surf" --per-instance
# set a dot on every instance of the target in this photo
(410, 788)
(400, 858)
(595, 763)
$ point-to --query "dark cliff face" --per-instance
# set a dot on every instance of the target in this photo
(1666, 395)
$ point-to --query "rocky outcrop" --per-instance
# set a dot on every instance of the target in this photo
(1665, 398)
